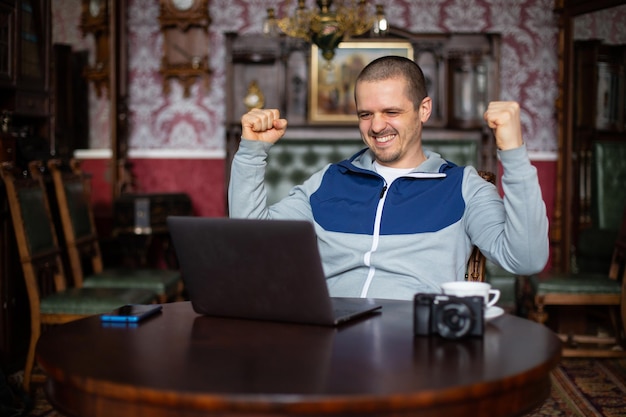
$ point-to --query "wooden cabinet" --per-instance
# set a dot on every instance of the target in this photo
(259, 60)
(7, 25)
(25, 124)
(590, 109)
(599, 74)
(462, 73)
(599, 80)
(25, 44)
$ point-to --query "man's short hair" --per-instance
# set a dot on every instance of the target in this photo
(388, 67)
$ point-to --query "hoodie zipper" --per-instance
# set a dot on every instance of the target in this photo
(382, 192)
(375, 239)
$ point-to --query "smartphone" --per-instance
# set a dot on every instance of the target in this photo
(131, 313)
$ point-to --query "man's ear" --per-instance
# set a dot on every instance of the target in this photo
(426, 108)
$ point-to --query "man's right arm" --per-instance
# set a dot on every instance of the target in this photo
(246, 189)
(260, 128)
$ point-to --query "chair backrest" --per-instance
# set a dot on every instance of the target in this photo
(73, 198)
(294, 159)
(476, 265)
(35, 233)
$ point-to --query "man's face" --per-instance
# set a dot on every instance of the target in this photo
(390, 125)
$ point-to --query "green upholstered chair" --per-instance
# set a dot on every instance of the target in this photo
(51, 300)
(73, 200)
(597, 280)
(589, 290)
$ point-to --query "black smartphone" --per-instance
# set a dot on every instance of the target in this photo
(131, 313)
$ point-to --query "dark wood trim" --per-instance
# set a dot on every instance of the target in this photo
(575, 8)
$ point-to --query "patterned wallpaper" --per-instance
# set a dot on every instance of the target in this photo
(609, 24)
(195, 124)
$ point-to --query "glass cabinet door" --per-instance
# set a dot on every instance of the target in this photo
(7, 50)
(32, 46)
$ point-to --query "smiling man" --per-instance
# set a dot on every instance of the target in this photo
(396, 219)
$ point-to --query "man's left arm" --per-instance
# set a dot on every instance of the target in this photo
(512, 232)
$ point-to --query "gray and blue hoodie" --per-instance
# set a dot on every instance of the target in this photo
(394, 240)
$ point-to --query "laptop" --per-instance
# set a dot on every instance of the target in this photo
(258, 269)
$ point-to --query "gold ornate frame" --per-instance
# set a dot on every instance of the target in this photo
(331, 91)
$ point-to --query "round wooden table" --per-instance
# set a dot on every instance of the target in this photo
(182, 364)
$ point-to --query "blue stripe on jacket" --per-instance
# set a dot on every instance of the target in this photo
(347, 198)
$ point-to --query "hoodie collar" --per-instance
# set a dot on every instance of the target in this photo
(434, 165)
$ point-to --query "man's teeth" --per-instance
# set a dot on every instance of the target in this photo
(384, 138)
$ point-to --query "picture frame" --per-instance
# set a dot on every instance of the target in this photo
(331, 92)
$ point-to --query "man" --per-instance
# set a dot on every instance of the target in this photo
(395, 219)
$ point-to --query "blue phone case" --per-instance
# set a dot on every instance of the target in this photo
(132, 313)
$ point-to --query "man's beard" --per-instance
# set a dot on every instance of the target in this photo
(386, 156)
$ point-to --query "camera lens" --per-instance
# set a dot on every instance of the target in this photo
(453, 320)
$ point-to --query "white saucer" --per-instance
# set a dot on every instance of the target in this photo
(493, 312)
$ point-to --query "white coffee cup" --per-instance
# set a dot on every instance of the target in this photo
(472, 288)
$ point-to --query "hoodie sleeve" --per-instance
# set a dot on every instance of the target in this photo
(247, 196)
(511, 231)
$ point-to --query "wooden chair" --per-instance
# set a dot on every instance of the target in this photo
(72, 195)
(589, 290)
(476, 266)
(51, 300)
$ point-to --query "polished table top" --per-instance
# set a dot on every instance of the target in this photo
(180, 363)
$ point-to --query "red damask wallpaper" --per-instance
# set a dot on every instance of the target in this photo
(528, 67)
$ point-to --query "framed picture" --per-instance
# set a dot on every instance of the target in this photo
(331, 95)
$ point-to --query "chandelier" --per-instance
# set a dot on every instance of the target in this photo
(329, 25)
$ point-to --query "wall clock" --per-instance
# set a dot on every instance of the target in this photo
(254, 98)
(95, 21)
(185, 29)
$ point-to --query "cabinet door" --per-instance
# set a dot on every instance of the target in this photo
(32, 42)
(254, 59)
(7, 44)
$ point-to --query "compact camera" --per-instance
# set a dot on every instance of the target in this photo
(448, 316)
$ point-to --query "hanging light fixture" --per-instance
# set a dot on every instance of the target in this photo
(329, 25)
